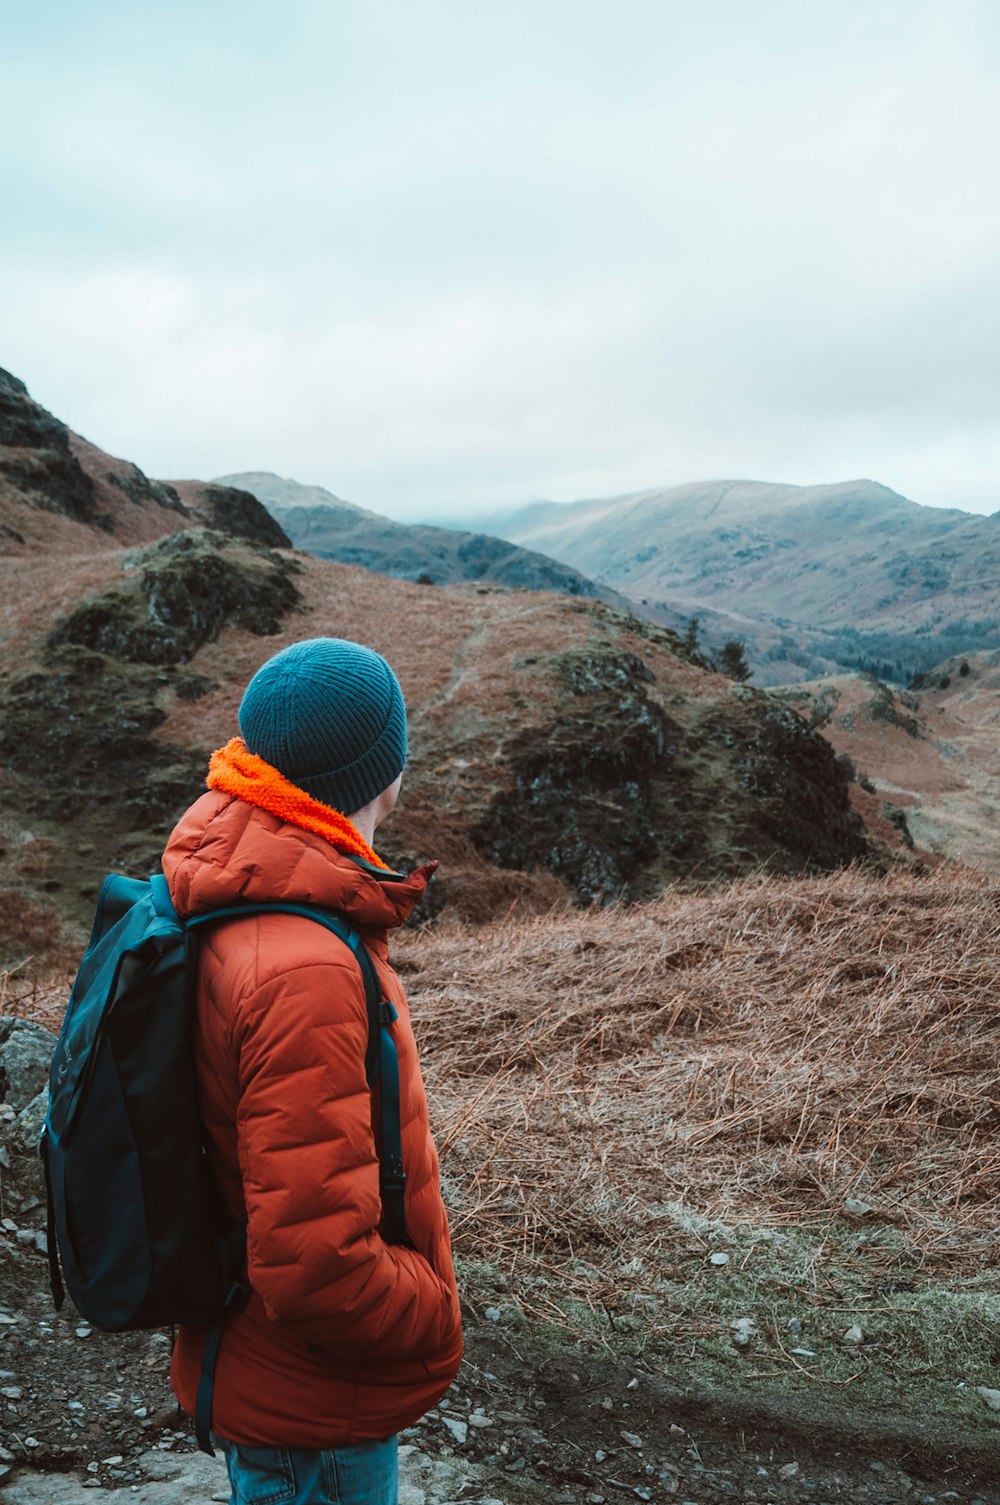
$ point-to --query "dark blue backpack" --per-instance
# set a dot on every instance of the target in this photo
(133, 1211)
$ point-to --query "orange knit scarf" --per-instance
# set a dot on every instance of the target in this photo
(234, 770)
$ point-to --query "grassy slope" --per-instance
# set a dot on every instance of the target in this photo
(618, 1096)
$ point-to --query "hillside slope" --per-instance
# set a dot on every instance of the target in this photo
(868, 571)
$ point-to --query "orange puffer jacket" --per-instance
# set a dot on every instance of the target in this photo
(345, 1338)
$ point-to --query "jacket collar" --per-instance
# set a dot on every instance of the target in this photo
(227, 848)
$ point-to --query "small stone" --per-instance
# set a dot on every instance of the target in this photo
(74, 1405)
(632, 1438)
(642, 1492)
(141, 1411)
(458, 1429)
(25, 1236)
(788, 1470)
(853, 1336)
(492, 1314)
(991, 1397)
(607, 1404)
(718, 1259)
(855, 1208)
(115, 1458)
(478, 1420)
(82, 1332)
(632, 1385)
(92, 1468)
(743, 1331)
(41, 1242)
(676, 1431)
(32, 1442)
(12, 1392)
(794, 1325)
(803, 1353)
(600, 1455)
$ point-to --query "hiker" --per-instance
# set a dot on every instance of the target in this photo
(347, 1337)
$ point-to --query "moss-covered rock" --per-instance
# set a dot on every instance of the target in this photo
(82, 733)
(618, 795)
(186, 589)
(581, 801)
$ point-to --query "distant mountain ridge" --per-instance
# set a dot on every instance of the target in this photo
(325, 525)
(854, 562)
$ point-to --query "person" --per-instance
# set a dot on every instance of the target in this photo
(346, 1337)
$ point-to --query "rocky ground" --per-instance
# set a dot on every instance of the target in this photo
(527, 1421)
(534, 1415)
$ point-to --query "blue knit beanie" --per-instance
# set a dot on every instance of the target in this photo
(329, 715)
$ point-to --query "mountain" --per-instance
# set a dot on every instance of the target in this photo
(560, 750)
(59, 493)
(844, 573)
(330, 528)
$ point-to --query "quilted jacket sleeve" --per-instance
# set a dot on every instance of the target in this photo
(310, 1174)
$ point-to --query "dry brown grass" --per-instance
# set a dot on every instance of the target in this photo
(617, 1094)
(602, 1080)
(32, 937)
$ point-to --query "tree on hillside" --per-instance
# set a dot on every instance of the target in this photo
(691, 636)
(731, 660)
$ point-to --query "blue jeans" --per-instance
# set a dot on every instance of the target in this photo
(365, 1474)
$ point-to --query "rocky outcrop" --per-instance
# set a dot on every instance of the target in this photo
(36, 461)
(131, 482)
(184, 590)
(236, 512)
(81, 734)
(84, 759)
(794, 790)
(619, 793)
(581, 801)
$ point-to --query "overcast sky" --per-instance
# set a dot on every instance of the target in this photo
(444, 257)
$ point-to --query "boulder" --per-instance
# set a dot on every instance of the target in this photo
(25, 1053)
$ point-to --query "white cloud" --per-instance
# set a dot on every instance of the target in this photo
(446, 256)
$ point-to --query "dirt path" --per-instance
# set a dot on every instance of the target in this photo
(533, 1417)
